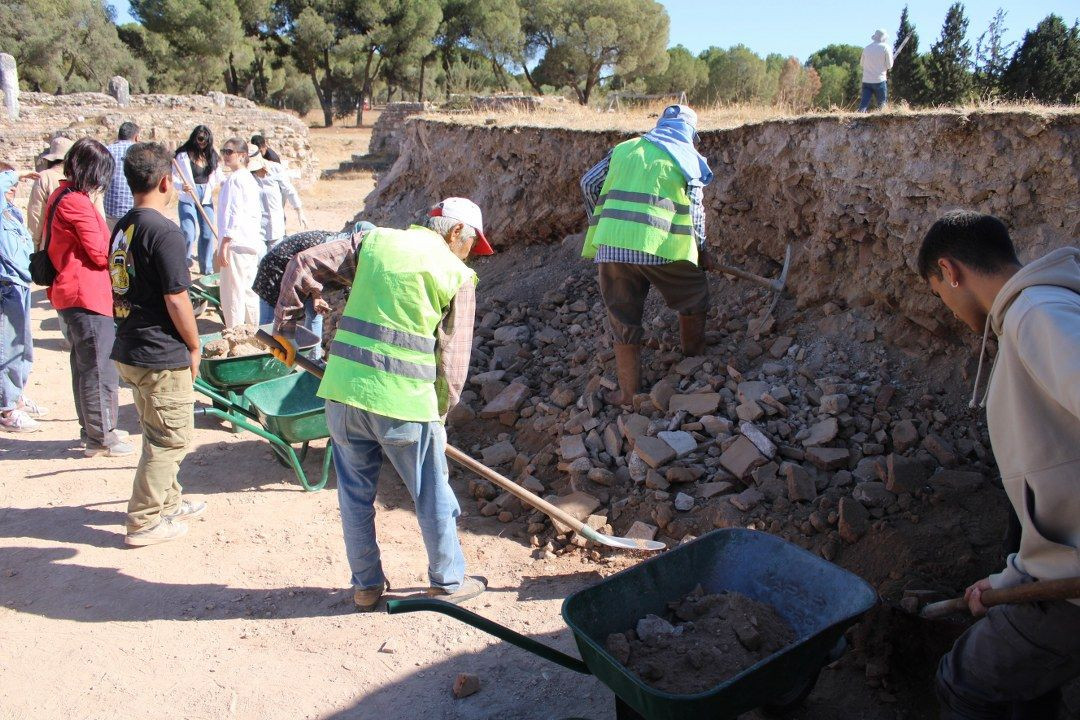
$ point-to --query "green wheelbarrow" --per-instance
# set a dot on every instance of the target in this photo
(818, 599)
(284, 411)
(206, 292)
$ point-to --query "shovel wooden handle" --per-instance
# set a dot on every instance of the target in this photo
(1042, 591)
(198, 203)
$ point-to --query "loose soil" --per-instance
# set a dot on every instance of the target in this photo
(712, 637)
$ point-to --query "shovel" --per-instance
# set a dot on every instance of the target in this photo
(777, 284)
(506, 484)
(1065, 589)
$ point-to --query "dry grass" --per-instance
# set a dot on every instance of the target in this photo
(719, 117)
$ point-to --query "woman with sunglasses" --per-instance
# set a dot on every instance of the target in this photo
(200, 174)
(240, 231)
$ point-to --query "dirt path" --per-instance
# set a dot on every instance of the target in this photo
(248, 617)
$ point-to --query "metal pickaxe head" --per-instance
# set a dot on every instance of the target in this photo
(777, 284)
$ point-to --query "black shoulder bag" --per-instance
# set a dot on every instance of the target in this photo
(42, 271)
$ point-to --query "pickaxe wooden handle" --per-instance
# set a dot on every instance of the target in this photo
(777, 284)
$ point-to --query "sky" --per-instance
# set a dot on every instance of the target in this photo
(800, 27)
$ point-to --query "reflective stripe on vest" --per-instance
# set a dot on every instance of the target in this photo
(643, 205)
(382, 358)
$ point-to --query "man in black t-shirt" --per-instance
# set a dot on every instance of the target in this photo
(157, 344)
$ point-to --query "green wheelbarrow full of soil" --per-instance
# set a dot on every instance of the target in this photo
(817, 599)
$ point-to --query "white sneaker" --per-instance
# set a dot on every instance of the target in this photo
(32, 408)
(19, 421)
(117, 449)
(166, 530)
(187, 510)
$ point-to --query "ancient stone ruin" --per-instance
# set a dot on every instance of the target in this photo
(163, 118)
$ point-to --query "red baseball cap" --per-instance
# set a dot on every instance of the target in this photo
(465, 211)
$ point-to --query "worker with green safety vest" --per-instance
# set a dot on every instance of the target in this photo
(395, 367)
(647, 228)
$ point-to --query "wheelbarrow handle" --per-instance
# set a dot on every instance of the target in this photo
(393, 607)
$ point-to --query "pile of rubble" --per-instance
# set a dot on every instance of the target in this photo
(776, 430)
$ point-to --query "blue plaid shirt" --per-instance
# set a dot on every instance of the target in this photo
(118, 197)
(592, 182)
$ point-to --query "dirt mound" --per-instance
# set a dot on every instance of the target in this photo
(710, 638)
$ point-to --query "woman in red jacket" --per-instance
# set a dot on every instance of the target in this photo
(82, 293)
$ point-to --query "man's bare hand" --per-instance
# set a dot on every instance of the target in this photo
(321, 306)
(196, 357)
(973, 597)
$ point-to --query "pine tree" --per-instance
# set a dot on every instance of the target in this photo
(1046, 67)
(907, 81)
(948, 67)
(991, 57)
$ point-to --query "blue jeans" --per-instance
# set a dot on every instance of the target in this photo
(197, 231)
(874, 90)
(312, 321)
(16, 346)
(417, 451)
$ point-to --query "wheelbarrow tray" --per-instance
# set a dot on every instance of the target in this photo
(210, 286)
(289, 408)
(240, 372)
(818, 599)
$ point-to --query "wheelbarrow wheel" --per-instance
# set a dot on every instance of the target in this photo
(792, 700)
(199, 307)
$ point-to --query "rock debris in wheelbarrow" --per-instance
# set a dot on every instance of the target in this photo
(706, 639)
(235, 342)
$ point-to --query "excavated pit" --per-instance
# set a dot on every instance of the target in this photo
(839, 422)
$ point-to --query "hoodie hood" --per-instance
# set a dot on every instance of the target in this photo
(1059, 268)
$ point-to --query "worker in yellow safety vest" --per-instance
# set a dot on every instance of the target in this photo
(396, 366)
(647, 228)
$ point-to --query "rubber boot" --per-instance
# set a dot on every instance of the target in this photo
(692, 334)
(628, 371)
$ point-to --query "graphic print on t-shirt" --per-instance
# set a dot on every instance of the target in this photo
(120, 271)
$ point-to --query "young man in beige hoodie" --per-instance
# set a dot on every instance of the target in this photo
(1012, 663)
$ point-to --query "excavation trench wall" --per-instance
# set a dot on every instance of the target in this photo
(853, 194)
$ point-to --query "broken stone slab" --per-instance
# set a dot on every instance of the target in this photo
(654, 451)
(749, 412)
(751, 391)
(873, 494)
(602, 476)
(632, 426)
(747, 500)
(682, 474)
(904, 475)
(572, 447)
(636, 467)
(697, 404)
(656, 481)
(780, 346)
(613, 442)
(742, 457)
(854, 520)
(498, 454)
(661, 394)
(834, 404)
(690, 365)
(800, 486)
(940, 448)
(822, 432)
(716, 426)
(828, 458)
(508, 400)
(512, 333)
(641, 531)
(578, 505)
(682, 442)
(761, 441)
(684, 502)
(713, 489)
(904, 436)
(869, 468)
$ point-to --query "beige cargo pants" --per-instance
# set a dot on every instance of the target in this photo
(165, 402)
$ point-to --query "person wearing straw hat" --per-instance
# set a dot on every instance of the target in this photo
(876, 61)
(397, 365)
(52, 172)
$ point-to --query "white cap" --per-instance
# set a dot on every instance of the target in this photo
(880, 36)
(465, 211)
(256, 161)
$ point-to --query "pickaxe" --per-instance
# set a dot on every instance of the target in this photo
(777, 285)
